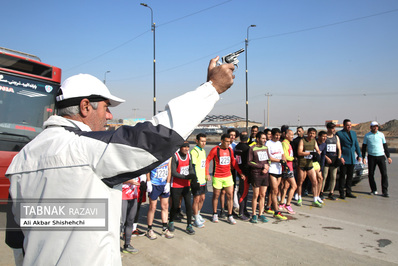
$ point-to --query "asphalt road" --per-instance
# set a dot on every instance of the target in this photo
(362, 231)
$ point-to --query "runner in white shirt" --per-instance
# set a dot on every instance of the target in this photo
(277, 157)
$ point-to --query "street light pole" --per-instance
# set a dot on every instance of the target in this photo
(154, 58)
(268, 95)
(247, 85)
(105, 76)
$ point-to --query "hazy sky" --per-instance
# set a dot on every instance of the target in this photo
(330, 59)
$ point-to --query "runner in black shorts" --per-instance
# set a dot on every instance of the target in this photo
(277, 157)
(258, 161)
(307, 149)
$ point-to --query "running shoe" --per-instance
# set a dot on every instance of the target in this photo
(167, 234)
(316, 204)
(198, 224)
(253, 220)
(129, 249)
(332, 197)
(373, 193)
(151, 234)
(244, 218)
(319, 200)
(269, 211)
(231, 220)
(296, 197)
(263, 218)
(289, 209)
(222, 214)
(190, 230)
(137, 232)
(180, 215)
(201, 219)
(214, 219)
(282, 207)
(171, 227)
(279, 216)
(300, 202)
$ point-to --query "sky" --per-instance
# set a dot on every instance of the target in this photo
(319, 60)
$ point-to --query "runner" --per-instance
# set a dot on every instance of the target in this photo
(319, 164)
(295, 143)
(253, 133)
(268, 133)
(199, 185)
(232, 134)
(130, 192)
(181, 173)
(223, 159)
(241, 152)
(258, 162)
(158, 186)
(140, 200)
(332, 159)
(284, 129)
(288, 179)
(307, 151)
(277, 157)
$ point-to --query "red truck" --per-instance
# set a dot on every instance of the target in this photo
(27, 98)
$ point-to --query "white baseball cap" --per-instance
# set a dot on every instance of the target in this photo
(81, 86)
(374, 123)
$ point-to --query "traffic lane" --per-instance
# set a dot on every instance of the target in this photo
(366, 225)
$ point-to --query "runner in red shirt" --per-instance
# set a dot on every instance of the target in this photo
(223, 159)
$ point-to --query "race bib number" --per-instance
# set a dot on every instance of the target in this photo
(203, 164)
(225, 160)
(262, 156)
(331, 148)
(309, 157)
(238, 159)
(184, 170)
(162, 174)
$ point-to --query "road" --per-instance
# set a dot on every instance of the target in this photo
(362, 231)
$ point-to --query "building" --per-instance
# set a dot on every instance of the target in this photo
(226, 121)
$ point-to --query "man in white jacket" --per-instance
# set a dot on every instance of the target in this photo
(73, 158)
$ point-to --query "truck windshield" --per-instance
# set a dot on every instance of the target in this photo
(24, 105)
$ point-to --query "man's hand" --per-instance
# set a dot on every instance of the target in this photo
(166, 188)
(208, 177)
(149, 186)
(221, 76)
(243, 177)
(389, 160)
(364, 160)
(342, 160)
(265, 170)
(359, 159)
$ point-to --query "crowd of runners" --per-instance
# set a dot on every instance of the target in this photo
(273, 163)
